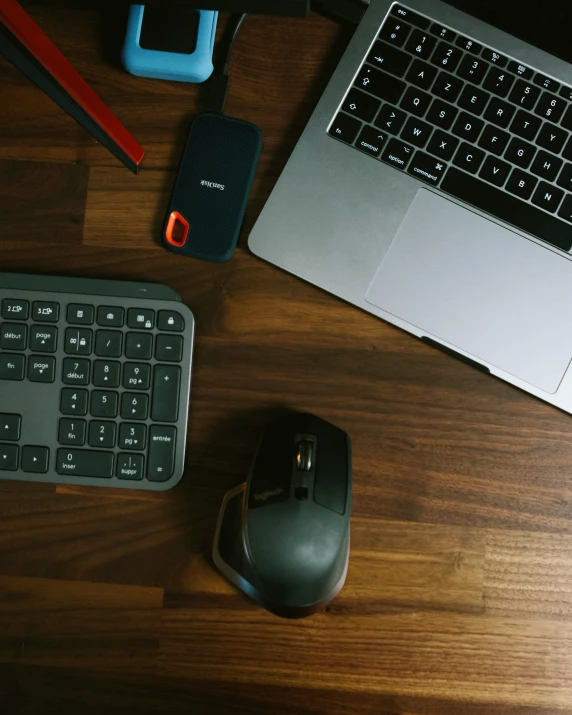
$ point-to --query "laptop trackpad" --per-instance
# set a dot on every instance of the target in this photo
(498, 296)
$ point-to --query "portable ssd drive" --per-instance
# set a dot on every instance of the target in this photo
(212, 187)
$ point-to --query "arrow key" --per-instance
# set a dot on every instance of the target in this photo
(35, 459)
(8, 457)
(390, 119)
(10, 426)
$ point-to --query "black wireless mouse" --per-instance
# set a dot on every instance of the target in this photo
(283, 537)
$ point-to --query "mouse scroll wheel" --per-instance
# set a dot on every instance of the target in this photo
(305, 456)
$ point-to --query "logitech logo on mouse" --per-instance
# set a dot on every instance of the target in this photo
(265, 496)
(212, 184)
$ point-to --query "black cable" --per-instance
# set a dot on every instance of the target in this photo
(216, 88)
(236, 25)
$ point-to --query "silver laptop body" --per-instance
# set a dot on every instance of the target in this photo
(382, 220)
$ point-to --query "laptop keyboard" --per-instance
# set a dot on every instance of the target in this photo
(462, 117)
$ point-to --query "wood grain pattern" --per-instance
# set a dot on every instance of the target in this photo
(459, 590)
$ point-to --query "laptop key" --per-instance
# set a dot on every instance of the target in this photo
(546, 82)
(552, 138)
(494, 57)
(469, 158)
(397, 153)
(494, 140)
(547, 196)
(421, 44)
(383, 85)
(389, 58)
(565, 211)
(566, 92)
(421, 74)
(446, 56)
(546, 165)
(468, 127)
(444, 33)
(495, 171)
(521, 184)
(550, 107)
(470, 45)
(447, 87)
(415, 101)
(441, 114)
(499, 112)
(473, 69)
(361, 105)
(520, 70)
(498, 81)
(567, 151)
(442, 145)
(526, 125)
(427, 168)
(390, 119)
(416, 132)
(520, 152)
(370, 140)
(474, 100)
(567, 119)
(394, 31)
(565, 178)
(488, 198)
(524, 94)
(410, 16)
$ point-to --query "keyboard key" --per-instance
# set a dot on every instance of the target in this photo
(550, 107)
(494, 57)
(470, 45)
(397, 153)
(520, 152)
(494, 140)
(41, 368)
(137, 376)
(389, 58)
(10, 426)
(446, 56)
(42, 311)
(442, 145)
(390, 119)
(361, 105)
(468, 127)
(567, 119)
(76, 371)
(565, 211)
(546, 166)
(132, 436)
(170, 347)
(469, 158)
(108, 343)
(520, 70)
(106, 373)
(78, 341)
(546, 82)
(130, 466)
(547, 196)
(134, 407)
(170, 320)
(35, 459)
(421, 74)
(495, 171)
(567, 151)
(13, 336)
(140, 318)
(416, 132)
(499, 112)
(104, 404)
(44, 338)
(420, 44)
(9, 457)
(444, 33)
(525, 125)
(521, 184)
(72, 432)
(498, 81)
(508, 208)
(427, 168)
(441, 114)
(165, 401)
(370, 140)
(15, 309)
(12, 366)
(73, 402)
(552, 138)
(109, 316)
(447, 87)
(473, 69)
(415, 101)
(101, 434)
(80, 314)
(565, 178)
(161, 461)
(524, 94)
(473, 100)
(410, 16)
(381, 84)
(566, 92)
(394, 32)
(84, 463)
(140, 345)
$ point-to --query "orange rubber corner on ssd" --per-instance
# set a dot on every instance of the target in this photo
(177, 229)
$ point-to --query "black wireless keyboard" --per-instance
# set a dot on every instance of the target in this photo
(94, 381)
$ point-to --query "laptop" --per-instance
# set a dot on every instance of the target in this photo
(432, 186)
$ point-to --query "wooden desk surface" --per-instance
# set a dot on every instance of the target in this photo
(459, 593)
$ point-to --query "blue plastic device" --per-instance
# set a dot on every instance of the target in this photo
(154, 49)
